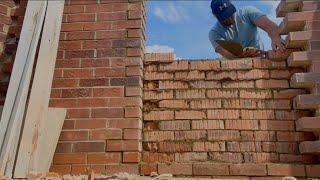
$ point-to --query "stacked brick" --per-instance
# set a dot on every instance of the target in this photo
(8, 42)
(301, 24)
(222, 118)
(98, 79)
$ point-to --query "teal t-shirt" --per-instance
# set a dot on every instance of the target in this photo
(243, 30)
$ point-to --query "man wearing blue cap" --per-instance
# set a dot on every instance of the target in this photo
(242, 26)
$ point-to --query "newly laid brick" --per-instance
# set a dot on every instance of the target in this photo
(252, 157)
(211, 169)
(151, 157)
(207, 124)
(158, 136)
(286, 170)
(191, 157)
(226, 157)
(242, 125)
(223, 135)
(294, 136)
(209, 146)
(174, 66)
(276, 125)
(157, 76)
(175, 147)
(190, 94)
(265, 136)
(248, 169)
(266, 84)
(201, 84)
(274, 104)
(190, 115)
(175, 169)
(174, 104)
(173, 85)
(205, 65)
(159, 115)
(255, 94)
(238, 84)
(240, 64)
(190, 75)
(217, 93)
(149, 95)
(190, 135)
(174, 125)
(253, 74)
(239, 104)
(223, 114)
(222, 75)
(257, 114)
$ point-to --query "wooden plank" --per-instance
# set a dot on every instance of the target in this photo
(11, 118)
(51, 128)
(35, 121)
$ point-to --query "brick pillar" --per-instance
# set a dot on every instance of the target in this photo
(98, 78)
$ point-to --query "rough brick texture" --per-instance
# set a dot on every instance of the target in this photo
(221, 117)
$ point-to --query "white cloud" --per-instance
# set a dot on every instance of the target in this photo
(171, 13)
(160, 49)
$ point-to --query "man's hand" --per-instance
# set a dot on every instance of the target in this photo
(278, 43)
(251, 52)
(273, 31)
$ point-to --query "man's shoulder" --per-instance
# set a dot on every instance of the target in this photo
(247, 10)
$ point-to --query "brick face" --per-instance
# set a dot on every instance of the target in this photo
(190, 118)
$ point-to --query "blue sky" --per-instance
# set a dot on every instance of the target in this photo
(183, 26)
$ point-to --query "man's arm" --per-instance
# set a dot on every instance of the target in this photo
(273, 31)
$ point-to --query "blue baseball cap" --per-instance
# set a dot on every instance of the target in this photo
(222, 9)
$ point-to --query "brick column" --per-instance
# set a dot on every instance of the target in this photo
(98, 78)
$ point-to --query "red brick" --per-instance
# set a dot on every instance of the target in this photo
(208, 146)
(132, 134)
(222, 75)
(73, 9)
(255, 94)
(205, 84)
(133, 91)
(265, 136)
(95, 62)
(125, 102)
(261, 157)
(173, 85)
(190, 94)
(159, 115)
(157, 157)
(280, 74)
(288, 93)
(236, 64)
(131, 157)
(110, 34)
(112, 16)
(236, 84)
(204, 65)
(93, 102)
(104, 158)
(210, 169)
(277, 125)
(90, 124)
(89, 147)
(294, 136)
(101, 134)
(99, 8)
(122, 168)
(127, 24)
(174, 66)
(265, 84)
(68, 124)
(175, 147)
(63, 83)
(223, 114)
(109, 72)
(242, 125)
(313, 170)
(73, 135)
(214, 93)
(78, 113)
(189, 115)
(79, 54)
(157, 76)
(239, 104)
(223, 135)
(123, 145)
(268, 64)
(191, 156)
(80, 35)
(274, 104)
(175, 169)
(189, 75)
(226, 157)
(257, 114)
(248, 169)
(124, 123)
(81, 17)
(74, 63)
(190, 135)
(108, 113)
(286, 170)
(174, 125)
(77, 73)
(173, 104)
(63, 148)
(70, 158)
(108, 92)
(135, 112)
(158, 136)
(207, 124)
(253, 74)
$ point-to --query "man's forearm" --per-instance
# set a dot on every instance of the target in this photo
(225, 53)
(268, 26)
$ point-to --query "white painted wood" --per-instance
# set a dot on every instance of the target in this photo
(11, 118)
(36, 120)
(47, 142)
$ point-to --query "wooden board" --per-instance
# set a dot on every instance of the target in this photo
(50, 130)
(12, 115)
(36, 123)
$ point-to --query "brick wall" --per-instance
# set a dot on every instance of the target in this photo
(98, 78)
(221, 118)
